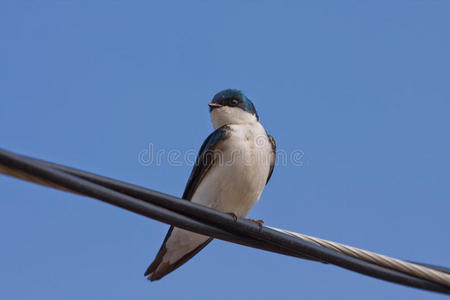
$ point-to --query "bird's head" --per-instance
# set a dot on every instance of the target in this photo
(231, 106)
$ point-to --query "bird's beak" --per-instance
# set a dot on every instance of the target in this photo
(215, 105)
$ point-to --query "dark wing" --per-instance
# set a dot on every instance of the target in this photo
(205, 161)
(274, 156)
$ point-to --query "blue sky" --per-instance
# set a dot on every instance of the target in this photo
(360, 88)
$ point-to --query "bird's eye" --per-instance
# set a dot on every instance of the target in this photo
(234, 102)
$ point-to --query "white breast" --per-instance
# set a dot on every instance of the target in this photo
(235, 184)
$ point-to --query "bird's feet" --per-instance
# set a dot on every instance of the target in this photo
(259, 222)
(235, 218)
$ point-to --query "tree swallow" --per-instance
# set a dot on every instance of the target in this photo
(233, 166)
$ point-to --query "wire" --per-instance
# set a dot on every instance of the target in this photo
(193, 217)
(437, 268)
(421, 271)
(139, 192)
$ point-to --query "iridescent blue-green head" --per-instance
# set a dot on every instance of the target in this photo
(231, 106)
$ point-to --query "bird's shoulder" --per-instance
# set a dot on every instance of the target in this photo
(205, 159)
(214, 139)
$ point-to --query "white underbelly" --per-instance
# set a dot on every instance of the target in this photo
(233, 185)
(236, 183)
(232, 189)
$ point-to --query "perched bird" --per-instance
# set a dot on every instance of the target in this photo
(233, 166)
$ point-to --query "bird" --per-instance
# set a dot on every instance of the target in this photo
(233, 166)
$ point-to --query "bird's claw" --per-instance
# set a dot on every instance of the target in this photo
(259, 222)
(235, 218)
